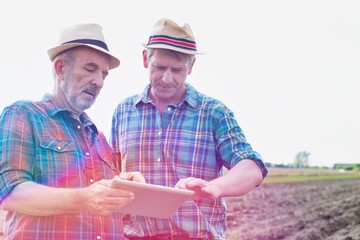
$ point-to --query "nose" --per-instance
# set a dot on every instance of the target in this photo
(99, 80)
(167, 76)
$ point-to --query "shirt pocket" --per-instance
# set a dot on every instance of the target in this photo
(58, 162)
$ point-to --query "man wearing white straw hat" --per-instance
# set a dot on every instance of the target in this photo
(178, 137)
(56, 167)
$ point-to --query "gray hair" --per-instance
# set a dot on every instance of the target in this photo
(67, 56)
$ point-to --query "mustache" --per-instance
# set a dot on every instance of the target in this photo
(92, 89)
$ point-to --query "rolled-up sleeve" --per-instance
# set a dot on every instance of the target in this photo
(16, 148)
(232, 143)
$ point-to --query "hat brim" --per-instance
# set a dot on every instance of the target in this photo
(164, 46)
(53, 52)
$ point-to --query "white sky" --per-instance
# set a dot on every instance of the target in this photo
(288, 69)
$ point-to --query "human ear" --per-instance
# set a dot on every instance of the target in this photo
(145, 60)
(191, 66)
(59, 66)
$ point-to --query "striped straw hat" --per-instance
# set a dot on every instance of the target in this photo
(169, 35)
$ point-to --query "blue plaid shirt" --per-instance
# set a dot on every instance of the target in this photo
(195, 138)
(41, 142)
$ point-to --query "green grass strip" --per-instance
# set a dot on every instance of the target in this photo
(275, 179)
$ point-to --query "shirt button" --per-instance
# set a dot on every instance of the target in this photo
(169, 109)
(159, 133)
(98, 237)
(58, 147)
(87, 153)
(158, 159)
(91, 180)
(78, 126)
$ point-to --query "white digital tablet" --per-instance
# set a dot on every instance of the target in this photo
(152, 200)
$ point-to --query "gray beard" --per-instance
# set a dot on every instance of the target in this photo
(74, 98)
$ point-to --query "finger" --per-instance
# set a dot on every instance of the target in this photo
(196, 183)
(118, 192)
(104, 182)
(114, 205)
(117, 202)
(138, 177)
(132, 176)
(183, 182)
(124, 175)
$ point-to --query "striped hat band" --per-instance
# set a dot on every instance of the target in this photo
(174, 42)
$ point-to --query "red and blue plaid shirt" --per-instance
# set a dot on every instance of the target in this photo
(195, 138)
(41, 142)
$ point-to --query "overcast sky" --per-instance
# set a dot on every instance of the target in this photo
(288, 69)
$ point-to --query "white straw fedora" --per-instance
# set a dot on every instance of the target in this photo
(88, 34)
(169, 35)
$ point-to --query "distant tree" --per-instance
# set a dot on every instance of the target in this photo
(357, 167)
(281, 165)
(302, 159)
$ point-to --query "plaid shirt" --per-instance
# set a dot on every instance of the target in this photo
(194, 138)
(43, 143)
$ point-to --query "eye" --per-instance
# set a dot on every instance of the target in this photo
(91, 67)
(91, 70)
(177, 70)
(161, 68)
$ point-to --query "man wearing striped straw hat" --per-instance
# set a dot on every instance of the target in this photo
(178, 137)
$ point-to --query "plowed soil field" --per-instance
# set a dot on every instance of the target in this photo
(319, 210)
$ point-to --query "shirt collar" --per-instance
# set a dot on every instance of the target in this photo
(54, 106)
(190, 96)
